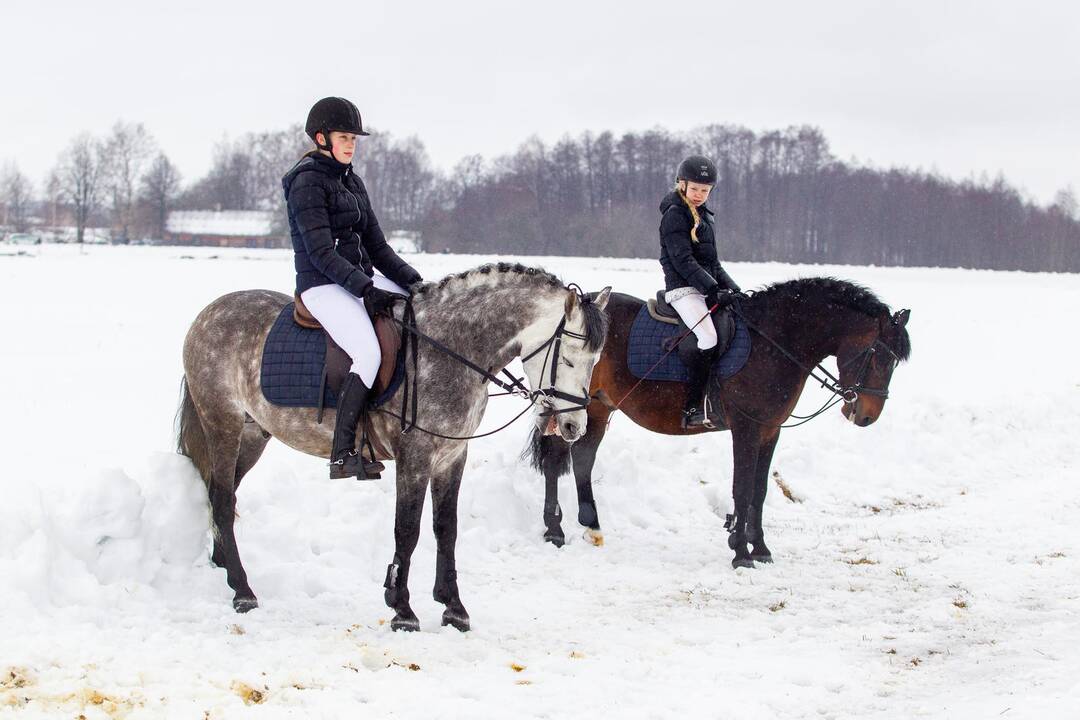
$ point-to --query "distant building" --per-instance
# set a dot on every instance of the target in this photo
(224, 228)
(404, 241)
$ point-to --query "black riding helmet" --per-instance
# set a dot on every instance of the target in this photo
(330, 114)
(698, 169)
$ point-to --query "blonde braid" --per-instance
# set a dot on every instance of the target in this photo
(693, 210)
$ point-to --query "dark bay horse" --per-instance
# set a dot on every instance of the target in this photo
(812, 319)
(489, 315)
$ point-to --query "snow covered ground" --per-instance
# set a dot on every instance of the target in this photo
(930, 569)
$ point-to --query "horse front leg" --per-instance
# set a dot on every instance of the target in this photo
(746, 447)
(759, 552)
(584, 457)
(444, 498)
(553, 458)
(411, 487)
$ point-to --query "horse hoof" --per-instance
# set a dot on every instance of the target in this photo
(594, 537)
(742, 562)
(457, 620)
(244, 604)
(762, 558)
(404, 623)
(556, 539)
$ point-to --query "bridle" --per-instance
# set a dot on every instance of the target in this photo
(513, 385)
(851, 393)
(846, 393)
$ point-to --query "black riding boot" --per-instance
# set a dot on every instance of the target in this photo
(698, 364)
(345, 461)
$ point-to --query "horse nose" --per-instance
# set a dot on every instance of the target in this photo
(570, 430)
(866, 420)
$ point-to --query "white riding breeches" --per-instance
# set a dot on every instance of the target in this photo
(692, 308)
(345, 318)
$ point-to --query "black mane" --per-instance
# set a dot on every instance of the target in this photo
(839, 292)
(834, 290)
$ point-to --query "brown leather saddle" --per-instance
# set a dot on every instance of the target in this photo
(338, 361)
(659, 309)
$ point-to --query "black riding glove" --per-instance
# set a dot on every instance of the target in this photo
(719, 300)
(378, 301)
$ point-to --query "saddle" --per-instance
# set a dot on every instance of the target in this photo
(724, 321)
(338, 361)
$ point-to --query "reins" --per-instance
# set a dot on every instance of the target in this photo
(842, 393)
(410, 398)
(831, 383)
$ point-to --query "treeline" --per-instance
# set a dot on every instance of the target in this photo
(783, 196)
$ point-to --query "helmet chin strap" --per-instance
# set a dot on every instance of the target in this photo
(326, 137)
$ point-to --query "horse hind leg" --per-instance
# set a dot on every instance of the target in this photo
(224, 433)
(253, 440)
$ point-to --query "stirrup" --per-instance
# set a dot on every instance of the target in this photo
(695, 418)
(353, 464)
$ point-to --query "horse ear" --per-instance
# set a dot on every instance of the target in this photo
(900, 318)
(602, 298)
(571, 303)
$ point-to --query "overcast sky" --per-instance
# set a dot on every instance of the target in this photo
(961, 87)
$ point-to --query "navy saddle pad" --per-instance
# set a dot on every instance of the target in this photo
(292, 366)
(646, 346)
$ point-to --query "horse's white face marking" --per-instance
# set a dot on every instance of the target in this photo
(573, 369)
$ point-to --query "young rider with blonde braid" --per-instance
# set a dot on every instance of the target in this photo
(694, 279)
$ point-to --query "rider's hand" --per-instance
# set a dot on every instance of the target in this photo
(378, 301)
(719, 300)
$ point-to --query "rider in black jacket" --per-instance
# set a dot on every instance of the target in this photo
(337, 246)
(695, 282)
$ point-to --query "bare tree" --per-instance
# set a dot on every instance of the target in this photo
(160, 187)
(16, 192)
(128, 148)
(79, 174)
(1065, 202)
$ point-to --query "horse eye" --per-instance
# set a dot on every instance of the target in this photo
(568, 363)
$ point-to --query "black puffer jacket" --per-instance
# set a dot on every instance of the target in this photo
(335, 236)
(687, 263)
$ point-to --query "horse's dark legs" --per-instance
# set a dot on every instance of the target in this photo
(554, 462)
(252, 443)
(746, 445)
(444, 499)
(411, 488)
(759, 552)
(583, 453)
(223, 438)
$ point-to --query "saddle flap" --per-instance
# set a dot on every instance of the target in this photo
(658, 314)
(663, 309)
(301, 316)
(338, 362)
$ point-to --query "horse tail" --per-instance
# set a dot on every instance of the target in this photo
(190, 435)
(547, 452)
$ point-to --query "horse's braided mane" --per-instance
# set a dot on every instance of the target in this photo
(596, 321)
(542, 277)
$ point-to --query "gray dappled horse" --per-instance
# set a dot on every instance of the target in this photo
(489, 315)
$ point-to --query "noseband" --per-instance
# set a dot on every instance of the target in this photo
(548, 394)
(850, 393)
